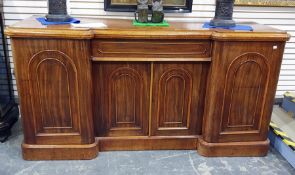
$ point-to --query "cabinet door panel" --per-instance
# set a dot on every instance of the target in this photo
(241, 90)
(178, 98)
(246, 80)
(175, 88)
(54, 84)
(53, 81)
(121, 98)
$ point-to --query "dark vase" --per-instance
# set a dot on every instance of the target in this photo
(142, 11)
(223, 14)
(57, 11)
(157, 14)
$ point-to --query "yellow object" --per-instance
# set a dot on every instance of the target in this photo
(288, 141)
(290, 94)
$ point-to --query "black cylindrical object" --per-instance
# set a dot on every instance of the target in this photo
(57, 11)
(223, 14)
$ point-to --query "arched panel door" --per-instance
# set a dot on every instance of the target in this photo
(121, 99)
(174, 99)
(54, 93)
(244, 94)
(178, 98)
(125, 88)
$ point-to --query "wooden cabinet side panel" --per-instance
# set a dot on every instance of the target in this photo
(54, 83)
(241, 90)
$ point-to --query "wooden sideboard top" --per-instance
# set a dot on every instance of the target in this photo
(123, 28)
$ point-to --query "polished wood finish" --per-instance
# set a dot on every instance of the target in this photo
(123, 29)
(60, 152)
(233, 149)
(142, 59)
(123, 87)
(241, 91)
(178, 98)
(55, 90)
(121, 99)
(148, 143)
(150, 49)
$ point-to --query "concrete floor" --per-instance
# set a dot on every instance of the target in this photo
(140, 163)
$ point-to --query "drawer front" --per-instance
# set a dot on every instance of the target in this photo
(151, 48)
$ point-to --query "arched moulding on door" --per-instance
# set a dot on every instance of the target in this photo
(53, 81)
(244, 94)
(125, 99)
(174, 99)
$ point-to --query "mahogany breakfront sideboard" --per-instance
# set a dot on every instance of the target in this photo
(122, 87)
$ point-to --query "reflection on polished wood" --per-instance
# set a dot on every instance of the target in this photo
(144, 88)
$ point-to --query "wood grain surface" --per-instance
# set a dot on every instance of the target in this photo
(123, 87)
(123, 29)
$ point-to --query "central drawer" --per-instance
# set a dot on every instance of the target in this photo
(151, 48)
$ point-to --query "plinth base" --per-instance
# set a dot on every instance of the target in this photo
(60, 152)
(233, 149)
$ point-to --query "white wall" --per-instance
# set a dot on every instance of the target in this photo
(203, 10)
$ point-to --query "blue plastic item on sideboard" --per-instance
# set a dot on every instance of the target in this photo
(43, 21)
(237, 27)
